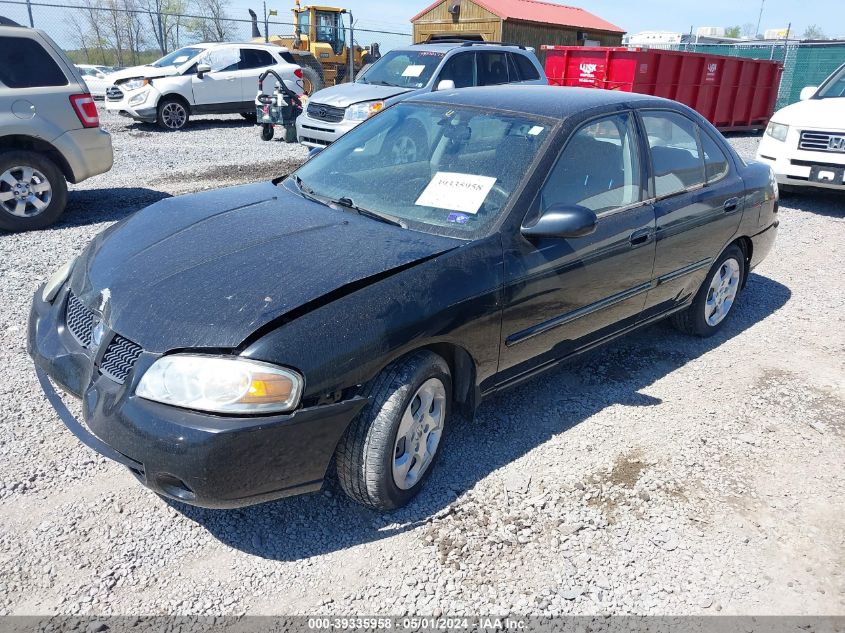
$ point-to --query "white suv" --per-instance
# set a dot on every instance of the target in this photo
(805, 142)
(199, 79)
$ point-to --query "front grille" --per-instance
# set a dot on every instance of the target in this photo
(822, 141)
(327, 113)
(316, 141)
(119, 358)
(80, 320)
(113, 93)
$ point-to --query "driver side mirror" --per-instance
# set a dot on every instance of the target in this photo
(202, 69)
(446, 84)
(808, 92)
(563, 221)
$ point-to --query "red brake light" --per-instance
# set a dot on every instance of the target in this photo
(298, 73)
(85, 109)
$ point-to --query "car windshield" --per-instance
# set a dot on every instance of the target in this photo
(433, 168)
(177, 58)
(834, 86)
(405, 69)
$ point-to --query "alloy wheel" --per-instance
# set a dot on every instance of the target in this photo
(404, 150)
(174, 115)
(721, 295)
(419, 433)
(24, 191)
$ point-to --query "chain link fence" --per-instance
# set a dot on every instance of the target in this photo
(804, 63)
(132, 32)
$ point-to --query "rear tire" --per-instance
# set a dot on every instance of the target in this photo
(33, 191)
(389, 450)
(716, 297)
(173, 114)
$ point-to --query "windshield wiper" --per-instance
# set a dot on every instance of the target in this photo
(349, 204)
(383, 83)
(306, 191)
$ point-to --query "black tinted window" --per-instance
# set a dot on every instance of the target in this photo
(599, 168)
(288, 58)
(492, 68)
(24, 64)
(527, 70)
(253, 58)
(674, 152)
(460, 70)
(715, 161)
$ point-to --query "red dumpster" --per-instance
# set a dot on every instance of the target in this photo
(733, 93)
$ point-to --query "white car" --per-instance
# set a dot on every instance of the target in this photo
(96, 78)
(805, 142)
(199, 79)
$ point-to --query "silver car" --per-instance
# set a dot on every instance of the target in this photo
(402, 73)
(49, 129)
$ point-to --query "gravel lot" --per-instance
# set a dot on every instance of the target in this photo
(661, 474)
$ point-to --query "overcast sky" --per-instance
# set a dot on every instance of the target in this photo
(641, 15)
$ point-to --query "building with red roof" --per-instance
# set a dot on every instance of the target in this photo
(526, 22)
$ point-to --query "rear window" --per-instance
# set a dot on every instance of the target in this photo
(288, 58)
(527, 70)
(25, 64)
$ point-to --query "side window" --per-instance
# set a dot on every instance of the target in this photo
(492, 68)
(25, 64)
(254, 58)
(527, 70)
(599, 168)
(675, 156)
(222, 59)
(716, 164)
(459, 69)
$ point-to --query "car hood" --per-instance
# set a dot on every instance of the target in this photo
(150, 72)
(344, 95)
(819, 114)
(208, 270)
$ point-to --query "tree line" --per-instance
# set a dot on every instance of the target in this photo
(132, 32)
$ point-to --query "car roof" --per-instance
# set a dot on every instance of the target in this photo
(448, 45)
(549, 101)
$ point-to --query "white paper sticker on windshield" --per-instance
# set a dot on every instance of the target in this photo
(456, 192)
(534, 131)
(413, 71)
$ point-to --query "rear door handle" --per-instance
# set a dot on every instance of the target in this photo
(731, 204)
(640, 237)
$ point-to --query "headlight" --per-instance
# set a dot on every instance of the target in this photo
(139, 98)
(221, 385)
(56, 281)
(777, 130)
(135, 83)
(363, 111)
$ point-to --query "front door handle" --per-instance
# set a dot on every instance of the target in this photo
(640, 237)
(731, 205)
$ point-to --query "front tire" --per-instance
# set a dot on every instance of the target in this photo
(408, 145)
(172, 114)
(388, 452)
(715, 299)
(33, 191)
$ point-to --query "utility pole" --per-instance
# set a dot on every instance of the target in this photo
(351, 47)
(266, 25)
(29, 10)
(760, 17)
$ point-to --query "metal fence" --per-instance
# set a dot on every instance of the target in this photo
(131, 32)
(804, 63)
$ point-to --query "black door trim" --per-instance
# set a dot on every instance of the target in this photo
(568, 317)
(686, 270)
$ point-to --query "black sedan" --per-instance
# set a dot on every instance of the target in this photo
(228, 346)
